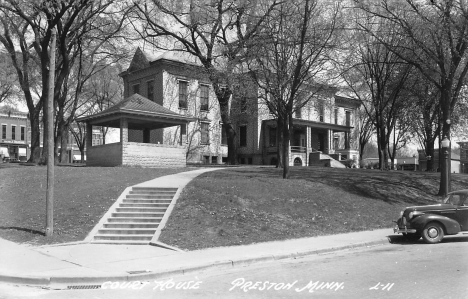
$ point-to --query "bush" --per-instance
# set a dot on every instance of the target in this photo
(350, 163)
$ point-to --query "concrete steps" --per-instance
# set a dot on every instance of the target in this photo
(324, 160)
(136, 218)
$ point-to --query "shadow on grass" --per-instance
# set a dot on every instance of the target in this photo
(28, 230)
(389, 186)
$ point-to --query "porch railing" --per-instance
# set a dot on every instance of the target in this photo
(298, 149)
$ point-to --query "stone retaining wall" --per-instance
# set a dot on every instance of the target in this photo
(153, 155)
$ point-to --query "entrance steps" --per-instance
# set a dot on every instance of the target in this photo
(135, 219)
(320, 159)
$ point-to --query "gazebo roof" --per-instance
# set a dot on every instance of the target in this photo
(140, 112)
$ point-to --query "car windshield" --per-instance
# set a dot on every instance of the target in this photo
(455, 199)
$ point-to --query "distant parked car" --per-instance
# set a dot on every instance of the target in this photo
(432, 222)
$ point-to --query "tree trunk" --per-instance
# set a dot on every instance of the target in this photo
(362, 145)
(286, 138)
(35, 155)
(279, 143)
(64, 145)
(429, 151)
(230, 131)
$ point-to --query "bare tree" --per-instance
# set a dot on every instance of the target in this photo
(382, 73)
(78, 130)
(104, 90)
(7, 78)
(365, 128)
(426, 123)
(27, 27)
(293, 52)
(436, 45)
(214, 31)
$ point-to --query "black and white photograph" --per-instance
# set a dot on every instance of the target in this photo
(233, 149)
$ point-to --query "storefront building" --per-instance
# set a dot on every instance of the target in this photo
(14, 136)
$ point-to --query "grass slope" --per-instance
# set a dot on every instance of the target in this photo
(249, 205)
(225, 207)
(81, 197)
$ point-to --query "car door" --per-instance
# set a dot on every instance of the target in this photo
(462, 215)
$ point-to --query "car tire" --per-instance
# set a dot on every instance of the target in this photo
(412, 237)
(433, 233)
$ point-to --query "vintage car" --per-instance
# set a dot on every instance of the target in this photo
(432, 222)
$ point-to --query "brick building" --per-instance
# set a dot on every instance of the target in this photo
(179, 84)
(14, 136)
(322, 128)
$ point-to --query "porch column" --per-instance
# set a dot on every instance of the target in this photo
(328, 142)
(183, 134)
(89, 136)
(146, 135)
(123, 130)
(346, 136)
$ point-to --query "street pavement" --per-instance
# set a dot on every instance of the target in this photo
(85, 263)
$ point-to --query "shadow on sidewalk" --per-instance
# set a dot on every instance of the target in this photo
(400, 240)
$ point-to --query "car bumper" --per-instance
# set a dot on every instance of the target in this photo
(404, 230)
(401, 228)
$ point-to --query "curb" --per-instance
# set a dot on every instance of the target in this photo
(226, 264)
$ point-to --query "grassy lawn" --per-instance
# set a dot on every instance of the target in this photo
(225, 207)
(81, 196)
(250, 205)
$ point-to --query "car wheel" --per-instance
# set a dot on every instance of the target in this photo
(412, 237)
(433, 233)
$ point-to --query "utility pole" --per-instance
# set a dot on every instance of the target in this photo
(50, 142)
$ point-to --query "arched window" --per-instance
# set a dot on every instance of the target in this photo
(297, 162)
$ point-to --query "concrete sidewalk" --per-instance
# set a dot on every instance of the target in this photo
(87, 263)
(77, 264)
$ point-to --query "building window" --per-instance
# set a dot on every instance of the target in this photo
(223, 134)
(183, 94)
(243, 136)
(204, 91)
(299, 113)
(243, 104)
(13, 132)
(96, 139)
(136, 88)
(273, 132)
(320, 111)
(336, 115)
(348, 118)
(205, 133)
(150, 90)
(3, 131)
(23, 129)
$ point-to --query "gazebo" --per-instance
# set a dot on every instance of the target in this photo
(141, 136)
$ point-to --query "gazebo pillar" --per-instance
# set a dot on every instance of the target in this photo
(123, 130)
(89, 136)
(146, 135)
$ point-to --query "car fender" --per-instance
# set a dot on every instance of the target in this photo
(451, 226)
